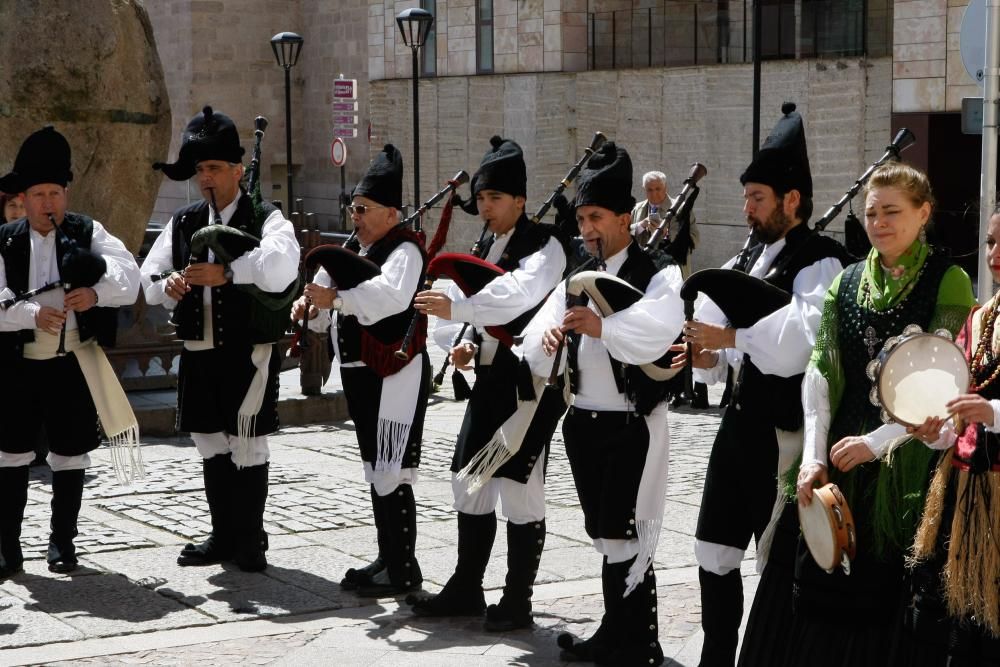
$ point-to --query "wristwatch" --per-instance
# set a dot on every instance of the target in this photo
(228, 274)
(338, 303)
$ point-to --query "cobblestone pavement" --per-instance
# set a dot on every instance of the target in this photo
(131, 604)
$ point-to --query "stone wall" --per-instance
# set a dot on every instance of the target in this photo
(667, 119)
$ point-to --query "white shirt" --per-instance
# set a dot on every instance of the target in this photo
(779, 343)
(640, 334)
(272, 266)
(506, 297)
(119, 286)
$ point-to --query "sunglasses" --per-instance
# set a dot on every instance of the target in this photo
(361, 209)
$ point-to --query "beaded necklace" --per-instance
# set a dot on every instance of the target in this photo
(984, 363)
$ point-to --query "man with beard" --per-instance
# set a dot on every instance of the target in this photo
(768, 360)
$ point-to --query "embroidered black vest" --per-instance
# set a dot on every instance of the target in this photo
(236, 319)
(15, 247)
(774, 398)
(376, 344)
(527, 238)
(641, 390)
(862, 332)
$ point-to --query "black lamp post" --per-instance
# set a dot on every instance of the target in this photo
(414, 24)
(286, 47)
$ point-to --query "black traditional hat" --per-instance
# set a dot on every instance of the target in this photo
(209, 136)
(783, 161)
(606, 180)
(502, 169)
(44, 157)
(383, 182)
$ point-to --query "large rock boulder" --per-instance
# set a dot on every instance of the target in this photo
(90, 69)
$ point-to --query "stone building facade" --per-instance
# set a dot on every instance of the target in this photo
(681, 92)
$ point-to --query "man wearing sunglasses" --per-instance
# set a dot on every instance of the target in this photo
(488, 466)
(386, 396)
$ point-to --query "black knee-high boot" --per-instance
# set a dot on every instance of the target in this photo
(67, 495)
(13, 498)
(218, 473)
(525, 543)
(251, 494)
(463, 594)
(638, 628)
(607, 634)
(721, 613)
(398, 541)
(356, 577)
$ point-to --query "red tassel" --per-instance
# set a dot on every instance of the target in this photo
(441, 233)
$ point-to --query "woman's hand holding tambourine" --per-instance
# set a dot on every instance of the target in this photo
(811, 476)
(929, 432)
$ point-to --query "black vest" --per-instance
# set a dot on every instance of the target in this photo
(641, 390)
(15, 247)
(233, 311)
(527, 238)
(775, 398)
(377, 343)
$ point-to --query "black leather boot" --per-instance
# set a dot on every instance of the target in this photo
(401, 573)
(463, 594)
(525, 543)
(606, 636)
(251, 494)
(355, 578)
(218, 473)
(67, 495)
(13, 498)
(721, 613)
(638, 629)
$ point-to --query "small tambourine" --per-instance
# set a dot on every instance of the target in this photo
(916, 374)
(828, 529)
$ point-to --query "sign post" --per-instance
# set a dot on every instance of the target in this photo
(345, 126)
(338, 156)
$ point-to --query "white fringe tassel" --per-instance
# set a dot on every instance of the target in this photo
(126, 457)
(242, 452)
(649, 535)
(486, 462)
(391, 437)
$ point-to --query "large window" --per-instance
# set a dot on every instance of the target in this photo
(428, 56)
(484, 36)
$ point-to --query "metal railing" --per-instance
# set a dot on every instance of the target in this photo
(678, 34)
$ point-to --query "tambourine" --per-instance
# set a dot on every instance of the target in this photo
(916, 374)
(828, 528)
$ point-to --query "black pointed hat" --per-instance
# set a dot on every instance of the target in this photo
(44, 157)
(210, 135)
(783, 161)
(383, 182)
(502, 169)
(606, 180)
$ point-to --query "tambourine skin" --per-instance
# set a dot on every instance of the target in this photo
(828, 529)
(918, 376)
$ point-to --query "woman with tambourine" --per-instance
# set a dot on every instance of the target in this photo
(955, 596)
(848, 619)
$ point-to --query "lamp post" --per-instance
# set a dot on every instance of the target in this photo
(286, 47)
(414, 24)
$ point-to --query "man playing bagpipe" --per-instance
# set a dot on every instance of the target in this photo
(224, 259)
(386, 395)
(616, 430)
(501, 449)
(62, 277)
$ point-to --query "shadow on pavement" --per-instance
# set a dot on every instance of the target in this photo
(88, 593)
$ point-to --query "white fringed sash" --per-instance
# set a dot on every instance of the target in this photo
(246, 416)
(396, 409)
(113, 409)
(652, 496)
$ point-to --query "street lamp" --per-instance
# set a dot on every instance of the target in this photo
(286, 47)
(414, 24)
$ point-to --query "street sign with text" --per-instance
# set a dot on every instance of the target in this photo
(345, 120)
(341, 106)
(345, 89)
(345, 132)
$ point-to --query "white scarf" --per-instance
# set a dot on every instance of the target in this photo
(113, 409)
(651, 497)
(396, 409)
(246, 417)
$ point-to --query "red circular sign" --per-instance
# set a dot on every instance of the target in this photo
(338, 152)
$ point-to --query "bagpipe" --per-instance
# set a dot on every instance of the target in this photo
(471, 273)
(745, 299)
(348, 269)
(79, 267)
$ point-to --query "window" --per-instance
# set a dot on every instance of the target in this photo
(428, 56)
(484, 36)
(777, 39)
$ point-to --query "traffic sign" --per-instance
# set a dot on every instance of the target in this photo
(972, 40)
(341, 106)
(345, 132)
(338, 152)
(345, 120)
(345, 89)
